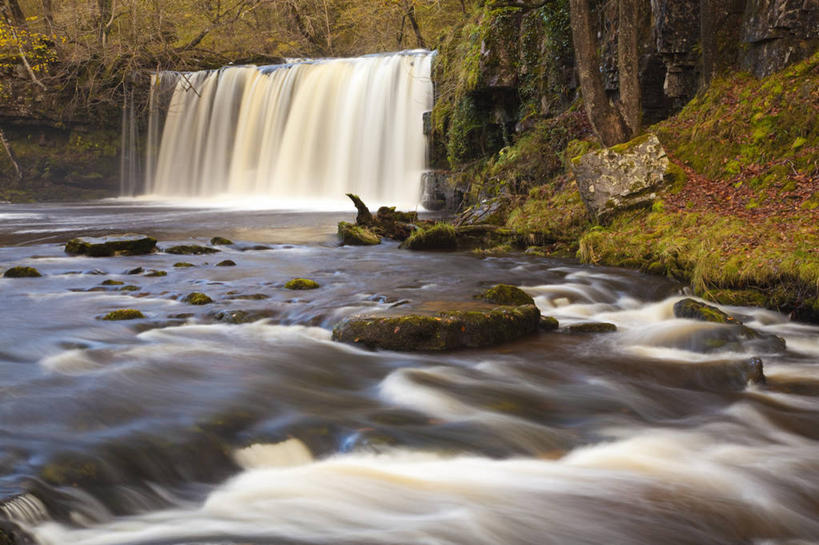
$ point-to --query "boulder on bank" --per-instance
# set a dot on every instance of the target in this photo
(504, 294)
(463, 325)
(622, 177)
(356, 235)
(111, 246)
(22, 272)
(440, 236)
(190, 249)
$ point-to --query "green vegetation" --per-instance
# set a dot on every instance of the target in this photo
(220, 241)
(301, 284)
(356, 235)
(124, 314)
(113, 283)
(440, 236)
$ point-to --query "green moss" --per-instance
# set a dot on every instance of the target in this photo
(356, 235)
(129, 288)
(226, 263)
(504, 294)
(631, 144)
(22, 272)
(183, 264)
(301, 284)
(197, 298)
(592, 327)
(440, 236)
(124, 314)
(190, 249)
(220, 241)
(113, 283)
(156, 273)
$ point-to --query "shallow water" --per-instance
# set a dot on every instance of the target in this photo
(187, 427)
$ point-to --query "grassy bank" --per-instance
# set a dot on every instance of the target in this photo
(741, 226)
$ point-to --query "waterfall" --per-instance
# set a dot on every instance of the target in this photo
(307, 130)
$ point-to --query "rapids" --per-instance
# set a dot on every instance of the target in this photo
(190, 428)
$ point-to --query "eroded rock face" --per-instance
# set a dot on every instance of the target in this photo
(426, 328)
(622, 177)
(779, 33)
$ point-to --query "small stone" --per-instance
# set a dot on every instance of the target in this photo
(22, 272)
(220, 241)
(190, 249)
(156, 273)
(226, 263)
(113, 283)
(138, 270)
(183, 264)
(124, 314)
(301, 284)
(129, 288)
(197, 298)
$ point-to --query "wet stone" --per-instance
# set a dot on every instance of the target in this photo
(197, 298)
(111, 246)
(190, 249)
(220, 241)
(504, 294)
(592, 327)
(22, 272)
(124, 314)
(226, 263)
(301, 284)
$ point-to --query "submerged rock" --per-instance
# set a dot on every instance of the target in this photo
(190, 249)
(124, 314)
(621, 177)
(731, 338)
(426, 328)
(356, 235)
(137, 270)
(226, 263)
(197, 298)
(245, 316)
(592, 327)
(113, 283)
(440, 236)
(220, 241)
(695, 310)
(111, 246)
(183, 264)
(156, 273)
(504, 294)
(22, 272)
(301, 284)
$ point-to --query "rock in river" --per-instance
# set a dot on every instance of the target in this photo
(430, 327)
(22, 272)
(111, 246)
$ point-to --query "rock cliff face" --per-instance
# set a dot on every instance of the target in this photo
(778, 33)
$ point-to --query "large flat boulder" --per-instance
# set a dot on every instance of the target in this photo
(621, 177)
(440, 326)
(110, 246)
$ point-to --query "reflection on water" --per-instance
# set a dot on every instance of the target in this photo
(242, 422)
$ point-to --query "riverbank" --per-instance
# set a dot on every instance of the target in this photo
(740, 223)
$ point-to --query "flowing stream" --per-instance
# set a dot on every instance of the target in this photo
(242, 422)
(309, 129)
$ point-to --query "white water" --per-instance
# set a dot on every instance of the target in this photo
(310, 130)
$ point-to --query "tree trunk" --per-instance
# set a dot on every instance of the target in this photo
(410, 11)
(605, 119)
(628, 64)
(13, 12)
(106, 15)
(708, 40)
(48, 14)
(18, 171)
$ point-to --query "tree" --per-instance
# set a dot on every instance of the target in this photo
(606, 119)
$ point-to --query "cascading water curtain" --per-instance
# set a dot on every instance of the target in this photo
(300, 131)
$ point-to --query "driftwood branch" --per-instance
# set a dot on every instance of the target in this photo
(18, 171)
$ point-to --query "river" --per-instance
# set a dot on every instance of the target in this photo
(242, 422)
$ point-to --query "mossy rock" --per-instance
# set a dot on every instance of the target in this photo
(183, 264)
(190, 249)
(301, 284)
(592, 327)
(135, 270)
(220, 241)
(440, 236)
(504, 294)
(6, 539)
(124, 314)
(197, 298)
(475, 326)
(694, 310)
(548, 323)
(129, 288)
(113, 283)
(22, 272)
(156, 273)
(226, 263)
(111, 246)
(356, 235)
